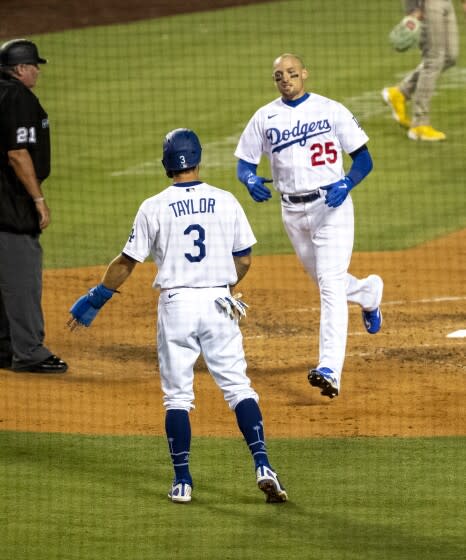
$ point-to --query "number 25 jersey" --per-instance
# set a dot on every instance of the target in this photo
(304, 141)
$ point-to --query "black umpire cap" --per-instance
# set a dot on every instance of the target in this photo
(20, 51)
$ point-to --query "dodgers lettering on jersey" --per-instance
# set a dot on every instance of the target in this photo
(183, 207)
(299, 133)
(304, 144)
(191, 233)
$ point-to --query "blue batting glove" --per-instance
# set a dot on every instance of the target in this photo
(85, 309)
(337, 192)
(257, 189)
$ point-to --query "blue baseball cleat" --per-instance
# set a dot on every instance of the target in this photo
(324, 378)
(372, 318)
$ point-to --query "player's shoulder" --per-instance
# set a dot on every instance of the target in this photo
(153, 201)
(317, 98)
(333, 106)
(219, 192)
(266, 109)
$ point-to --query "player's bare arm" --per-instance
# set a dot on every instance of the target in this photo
(118, 271)
(85, 309)
(242, 265)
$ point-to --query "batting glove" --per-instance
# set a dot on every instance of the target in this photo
(233, 306)
(337, 192)
(85, 308)
(257, 189)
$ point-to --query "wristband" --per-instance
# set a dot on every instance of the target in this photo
(38, 199)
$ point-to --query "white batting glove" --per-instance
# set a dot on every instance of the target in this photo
(233, 306)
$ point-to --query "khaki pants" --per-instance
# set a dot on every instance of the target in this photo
(440, 46)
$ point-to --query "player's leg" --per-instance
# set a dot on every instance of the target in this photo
(434, 56)
(222, 348)
(299, 225)
(367, 292)
(408, 85)
(178, 431)
(333, 244)
(249, 419)
(451, 38)
(322, 238)
(221, 342)
(178, 350)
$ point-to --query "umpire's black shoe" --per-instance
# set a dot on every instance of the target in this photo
(5, 363)
(52, 364)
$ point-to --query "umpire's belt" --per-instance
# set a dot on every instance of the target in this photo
(295, 199)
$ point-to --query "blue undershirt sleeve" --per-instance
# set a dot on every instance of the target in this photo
(244, 170)
(242, 253)
(362, 165)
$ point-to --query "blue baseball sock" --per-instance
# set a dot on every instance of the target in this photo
(249, 418)
(178, 429)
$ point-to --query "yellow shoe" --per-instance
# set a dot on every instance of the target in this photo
(426, 133)
(397, 103)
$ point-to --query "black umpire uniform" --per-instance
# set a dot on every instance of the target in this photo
(23, 126)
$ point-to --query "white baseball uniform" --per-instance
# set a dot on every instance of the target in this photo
(192, 230)
(305, 144)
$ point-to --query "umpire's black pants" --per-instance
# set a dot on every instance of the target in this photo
(21, 318)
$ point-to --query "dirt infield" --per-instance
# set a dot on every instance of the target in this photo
(407, 380)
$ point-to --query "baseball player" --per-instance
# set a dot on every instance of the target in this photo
(440, 47)
(304, 136)
(200, 240)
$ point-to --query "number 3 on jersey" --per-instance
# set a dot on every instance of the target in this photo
(199, 242)
(321, 154)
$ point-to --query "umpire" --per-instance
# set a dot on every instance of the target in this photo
(24, 165)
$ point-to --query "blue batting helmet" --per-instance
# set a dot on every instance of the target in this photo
(181, 150)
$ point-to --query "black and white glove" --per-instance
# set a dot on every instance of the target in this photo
(233, 306)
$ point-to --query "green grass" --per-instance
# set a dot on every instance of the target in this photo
(82, 497)
(113, 92)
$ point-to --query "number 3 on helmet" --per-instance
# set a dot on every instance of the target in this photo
(181, 150)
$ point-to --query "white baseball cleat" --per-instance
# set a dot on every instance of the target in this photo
(268, 482)
(180, 492)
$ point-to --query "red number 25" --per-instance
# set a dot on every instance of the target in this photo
(323, 153)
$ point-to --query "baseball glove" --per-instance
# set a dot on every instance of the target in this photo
(405, 34)
(233, 306)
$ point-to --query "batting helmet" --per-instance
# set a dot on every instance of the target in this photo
(181, 150)
(20, 51)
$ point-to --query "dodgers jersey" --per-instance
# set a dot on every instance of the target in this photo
(191, 231)
(304, 143)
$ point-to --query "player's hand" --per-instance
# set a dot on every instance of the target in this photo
(257, 189)
(233, 306)
(337, 192)
(85, 308)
